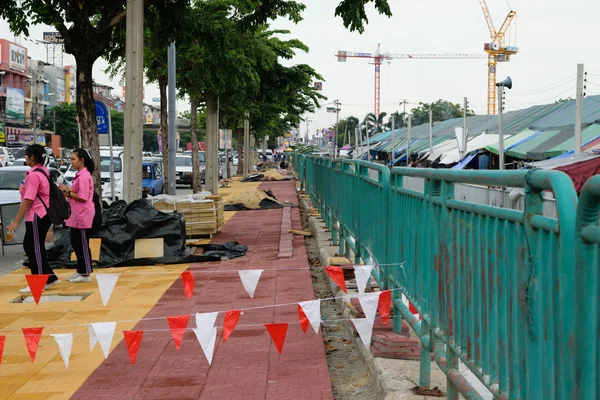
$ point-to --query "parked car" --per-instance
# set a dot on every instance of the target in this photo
(235, 160)
(6, 157)
(183, 169)
(153, 180)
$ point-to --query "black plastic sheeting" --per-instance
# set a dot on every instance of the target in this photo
(265, 204)
(122, 224)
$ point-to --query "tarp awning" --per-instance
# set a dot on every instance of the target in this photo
(478, 142)
(465, 161)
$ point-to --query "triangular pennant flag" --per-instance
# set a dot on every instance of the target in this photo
(363, 275)
(207, 341)
(188, 283)
(178, 325)
(277, 332)
(250, 279)
(337, 275)
(37, 283)
(206, 321)
(2, 340)
(133, 339)
(365, 330)
(93, 338)
(385, 302)
(302, 318)
(65, 344)
(312, 310)
(106, 284)
(104, 332)
(32, 339)
(369, 303)
(414, 310)
(231, 319)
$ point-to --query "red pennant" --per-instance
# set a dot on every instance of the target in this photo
(412, 308)
(37, 283)
(32, 339)
(337, 274)
(277, 332)
(2, 340)
(133, 339)
(188, 283)
(231, 320)
(303, 319)
(385, 302)
(178, 325)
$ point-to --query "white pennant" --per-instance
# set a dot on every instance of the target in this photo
(365, 330)
(205, 323)
(369, 303)
(106, 284)
(104, 332)
(312, 309)
(65, 344)
(93, 338)
(363, 275)
(250, 279)
(207, 339)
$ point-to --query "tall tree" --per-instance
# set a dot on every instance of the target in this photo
(441, 111)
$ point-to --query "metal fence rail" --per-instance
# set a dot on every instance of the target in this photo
(495, 287)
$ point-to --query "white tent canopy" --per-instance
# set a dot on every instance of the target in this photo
(478, 142)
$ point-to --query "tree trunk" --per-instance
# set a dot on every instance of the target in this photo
(196, 173)
(211, 172)
(239, 133)
(164, 128)
(86, 113)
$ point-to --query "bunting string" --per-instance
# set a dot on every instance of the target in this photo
(220, 311)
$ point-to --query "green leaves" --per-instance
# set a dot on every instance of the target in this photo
(354, 15)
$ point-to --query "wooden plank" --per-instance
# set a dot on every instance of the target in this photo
(301, 233)
(149, 248)
(337, 261)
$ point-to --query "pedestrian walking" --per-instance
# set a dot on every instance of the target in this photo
(35, 196)
(81, 200)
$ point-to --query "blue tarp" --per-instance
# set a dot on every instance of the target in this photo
(465, 161)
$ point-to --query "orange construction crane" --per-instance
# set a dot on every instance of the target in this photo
(342, 55)
(497, 51)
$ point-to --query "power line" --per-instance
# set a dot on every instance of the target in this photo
(557, 84)
(570, 90)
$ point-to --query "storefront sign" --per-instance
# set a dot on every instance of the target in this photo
(18, 58)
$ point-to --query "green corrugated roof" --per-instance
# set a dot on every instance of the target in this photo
(538, 142)
(590, 133)
(565, 115)
(511, 141)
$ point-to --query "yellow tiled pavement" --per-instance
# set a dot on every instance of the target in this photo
(134, 295)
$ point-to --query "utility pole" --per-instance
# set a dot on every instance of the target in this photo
(408, 140)
(500, 98)
(403, 103)
(172, 117)
(246, 155)
(337, 123)
(579, 109)
(356, 134)
(368, 144)
(134, 81)
(430, 131)
(54, 122)
(465, 137)
(393, 139)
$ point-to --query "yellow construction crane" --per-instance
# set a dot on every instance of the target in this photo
(497, 51)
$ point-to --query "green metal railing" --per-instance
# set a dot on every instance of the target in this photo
(495, 287)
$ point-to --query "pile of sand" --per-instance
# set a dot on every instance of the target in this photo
(273, 175)
(251, 198)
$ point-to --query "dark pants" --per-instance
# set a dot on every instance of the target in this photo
(34, 244)
(81, 245)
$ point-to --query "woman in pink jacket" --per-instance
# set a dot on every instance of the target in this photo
(81, 200)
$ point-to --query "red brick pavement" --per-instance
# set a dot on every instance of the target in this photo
(248, 366)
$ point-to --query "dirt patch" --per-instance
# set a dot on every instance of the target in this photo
(348, 372)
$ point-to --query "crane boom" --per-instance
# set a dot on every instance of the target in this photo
(378, 57)
(488, 19)
(504, 28)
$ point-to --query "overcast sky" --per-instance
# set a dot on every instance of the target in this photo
(552, 36)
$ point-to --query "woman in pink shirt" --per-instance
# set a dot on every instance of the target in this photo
(35, 194)
(81, 200)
